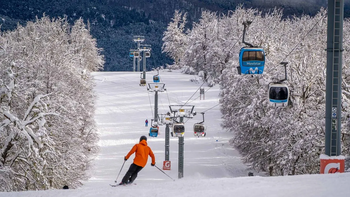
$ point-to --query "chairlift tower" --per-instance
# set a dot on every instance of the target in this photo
(181, 112)
(332, 161)
(138, 40)
(167, 162)
(156, 87)
(134, 53)
(146, 51)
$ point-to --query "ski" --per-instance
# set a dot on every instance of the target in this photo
(116, 185)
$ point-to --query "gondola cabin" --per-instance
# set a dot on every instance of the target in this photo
(251, 61)
(156, 78)
(136, 54)
(142, 82)
(278, 94)
(199, 130)
(153, 131)
(178, 130)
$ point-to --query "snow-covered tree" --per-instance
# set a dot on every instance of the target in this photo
(346, 93)
(51, 85)
(200, 39)
(280, 141)
(174, 38)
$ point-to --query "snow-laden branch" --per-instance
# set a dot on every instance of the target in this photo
(7, 89)
(22, 125)
(346, 92)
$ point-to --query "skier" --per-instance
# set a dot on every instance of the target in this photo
(141, 150)
(146, 123)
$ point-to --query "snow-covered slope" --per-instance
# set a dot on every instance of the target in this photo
(211, 166)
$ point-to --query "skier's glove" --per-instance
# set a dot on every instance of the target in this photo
(125, 159)
(153, 164)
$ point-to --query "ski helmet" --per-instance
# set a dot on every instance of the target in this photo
(143, 138)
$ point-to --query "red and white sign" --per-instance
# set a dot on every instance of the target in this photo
(331, 165)
(166, 165)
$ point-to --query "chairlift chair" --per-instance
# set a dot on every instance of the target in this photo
(278, 94)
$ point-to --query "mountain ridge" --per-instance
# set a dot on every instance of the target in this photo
(114, 22)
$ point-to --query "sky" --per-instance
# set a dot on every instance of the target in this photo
(212, 167)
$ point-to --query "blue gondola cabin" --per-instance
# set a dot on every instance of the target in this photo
(153, 131)
(251, 61)
(156, 78)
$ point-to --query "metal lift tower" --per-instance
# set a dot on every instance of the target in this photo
(332, 162)
(138, 40)
(146, 50)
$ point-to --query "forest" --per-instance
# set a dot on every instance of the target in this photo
(278, 140)
(114, 22)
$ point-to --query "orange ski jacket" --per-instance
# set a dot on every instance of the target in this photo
(141, 150)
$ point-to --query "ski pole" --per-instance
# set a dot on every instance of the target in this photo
(120, 171)
(164, 172)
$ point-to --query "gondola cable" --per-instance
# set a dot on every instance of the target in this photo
(150, 104)
(193, 94)
(211, 108)
(303, 38)
(200, 96)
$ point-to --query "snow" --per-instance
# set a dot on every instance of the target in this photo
(324, 156)
(211, 166)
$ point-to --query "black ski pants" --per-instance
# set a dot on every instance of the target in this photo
(131, 174)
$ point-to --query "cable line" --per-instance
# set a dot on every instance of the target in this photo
(193, 94)
(200, 96)
(211, 107)
(304, 37)
(150, 104)
(168, 97)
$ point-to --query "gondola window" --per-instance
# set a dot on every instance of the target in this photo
(253, 56)
(278, 93)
